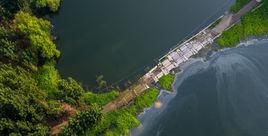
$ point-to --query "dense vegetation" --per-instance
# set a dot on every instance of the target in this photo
(32, 93)
(83, 121)
(254, 23)
(120, 121)
(166, 82)
(100, 99)
(10, 7)
(24, 106)
(33, 96)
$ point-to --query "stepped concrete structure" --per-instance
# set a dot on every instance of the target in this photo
(178, 55)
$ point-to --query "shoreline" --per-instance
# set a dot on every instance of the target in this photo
(66, 105)
(201, 42)
(166, 96)
(179, 55)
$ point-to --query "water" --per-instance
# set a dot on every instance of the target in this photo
(119, 38)
(224, 96)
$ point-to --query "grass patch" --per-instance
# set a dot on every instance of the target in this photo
(166, 82)
(121, 121)
(100, 99)
(231, 37)
(47, 78)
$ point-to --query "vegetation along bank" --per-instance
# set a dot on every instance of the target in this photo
(35, 100)
(254, 23)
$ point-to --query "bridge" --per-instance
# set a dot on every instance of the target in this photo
(178, 56)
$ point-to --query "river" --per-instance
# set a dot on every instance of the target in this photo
(120, 38)
(227, 95)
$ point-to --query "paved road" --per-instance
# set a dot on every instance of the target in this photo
(230, 19)
(244, 10)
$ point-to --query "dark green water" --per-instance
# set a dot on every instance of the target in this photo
(119, 38)
(225, 96)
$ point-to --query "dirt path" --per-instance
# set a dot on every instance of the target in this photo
(68, 111)
(126, 97)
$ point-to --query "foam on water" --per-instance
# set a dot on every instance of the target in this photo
(241, 88)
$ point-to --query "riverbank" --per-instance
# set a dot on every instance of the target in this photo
(254, 23)
(116, 112)
(27, 71)
(122, 120)
(120, 116)
(121, 44)
(203, 94)
(166, 81)
(179, 55)
(258, 9)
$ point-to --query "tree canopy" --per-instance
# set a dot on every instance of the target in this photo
(20, 101)
(32, 93)
(37, 30)
(254, 23)
(52, 5)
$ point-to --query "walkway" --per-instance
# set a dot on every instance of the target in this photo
(177, 56)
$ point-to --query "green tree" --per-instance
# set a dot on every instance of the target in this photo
(15, 49)
(166, 82)
(254, 23)
(9, 7)
(70, 90)
(22, 103)
(100, 98)
(7, 49)
(82, 121)
(37, 30)
(52, 5)
(47, 78)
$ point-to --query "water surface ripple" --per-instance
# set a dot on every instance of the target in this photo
(224, 96)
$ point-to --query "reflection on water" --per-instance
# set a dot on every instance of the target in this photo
(224, 96)
(119, 38)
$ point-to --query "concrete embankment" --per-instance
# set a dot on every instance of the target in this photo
(178, 56)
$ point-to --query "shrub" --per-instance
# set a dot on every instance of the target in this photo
(47, 77)
(82, 121)
(38, 32)
(22, 103)
(100, 99)
(232, 36)
(70, 90)
(166, 82)
(254, 23)
(7, 49)
(120, 121)
(52, 5)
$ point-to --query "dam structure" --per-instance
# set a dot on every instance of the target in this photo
(180, 54)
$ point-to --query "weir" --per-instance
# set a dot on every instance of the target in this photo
(180, 54)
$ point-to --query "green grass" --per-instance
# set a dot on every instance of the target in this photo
(166, 82)
(254, 23)
(121, 121)
(47, 78)
(100, 99)
(231, 37)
